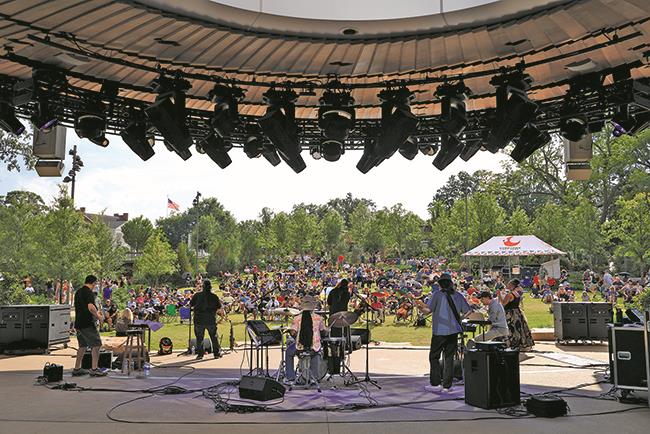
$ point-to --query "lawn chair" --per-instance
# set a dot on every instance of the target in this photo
(170, 313)
(185, 314)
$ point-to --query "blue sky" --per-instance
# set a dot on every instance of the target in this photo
(114, 179)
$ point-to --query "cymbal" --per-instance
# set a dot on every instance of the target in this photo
(285, 311)
(343, 319)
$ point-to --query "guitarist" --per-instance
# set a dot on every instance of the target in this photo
(446, 307)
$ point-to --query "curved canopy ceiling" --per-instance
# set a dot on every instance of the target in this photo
(127, 41)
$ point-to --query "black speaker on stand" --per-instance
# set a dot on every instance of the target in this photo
(492, 378)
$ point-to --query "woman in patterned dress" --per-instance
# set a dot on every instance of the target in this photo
(520, 336)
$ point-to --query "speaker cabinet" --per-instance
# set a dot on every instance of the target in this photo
(628, 357)
(492, 378)
(574, 321)
(260, 388)
(105, 360)
(27, 327)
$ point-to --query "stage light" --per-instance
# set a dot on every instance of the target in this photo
(217, 149)
(622, 120)
(513, 109)
(332, 150)
(92, 126)
(43, 118)
(427, 146)
(470, 149)
(226, 112)
(336, 116)
(409, 148)
(8, 120)
(530, 140)
(573, 125)
(453, 116)
(315, 152)
(450, 148)
(168, 115)
(135, 136)
(279, 125)
(271, 154)
(397, 124)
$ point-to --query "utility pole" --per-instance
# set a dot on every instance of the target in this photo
(195, 202)
(77, 164)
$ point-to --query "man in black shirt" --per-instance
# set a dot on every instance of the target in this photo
(86, 315)
(206, 304)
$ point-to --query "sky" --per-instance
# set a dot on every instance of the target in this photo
(115, 180)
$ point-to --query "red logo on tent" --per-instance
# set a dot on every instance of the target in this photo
(508, 242)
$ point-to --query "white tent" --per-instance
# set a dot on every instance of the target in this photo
(518, 245)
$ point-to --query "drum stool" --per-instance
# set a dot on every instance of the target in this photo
(134, 342)
(304, 371)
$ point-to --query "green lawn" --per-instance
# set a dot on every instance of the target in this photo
(537, 313)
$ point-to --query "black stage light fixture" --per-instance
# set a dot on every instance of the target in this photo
(331, 150)
(168, 115)
(315, 152)
(513, 109)
(279, 125)
(8, 120)
(253, 147)
(573, 124)
(136, 136)
(470, 149)
(409, 149)
(530, 140)
(450, 148)
(398, 123)
(217, 149)
(622, 120)
(271, 154)
(428, 146)
(336, 115)
(43, 118)
(91, 125)
(453, 117)
(226, 109)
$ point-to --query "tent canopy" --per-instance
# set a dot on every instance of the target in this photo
(517, 245)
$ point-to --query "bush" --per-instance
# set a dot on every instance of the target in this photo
(643, 299)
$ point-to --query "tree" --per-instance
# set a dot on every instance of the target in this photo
(550, 225)
(13, 149)
(518, 223)
(586, 240)
(632, 229)
(332, 229)
(184, 264)
(109, 254)
(403, 230)
(346, 205)
(136, 232)
(157, 259)
(249, 239)
(303, 233)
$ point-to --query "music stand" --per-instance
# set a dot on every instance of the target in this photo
(366, 379)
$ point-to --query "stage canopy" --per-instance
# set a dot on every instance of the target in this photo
(520, 245)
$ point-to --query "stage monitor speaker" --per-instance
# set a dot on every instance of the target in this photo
(260, 388)
(599, 315)
(50, 145)
(105, 360)
(49, 168)
(11, 326)
(492, 378)
(365, 336)
(628, 357)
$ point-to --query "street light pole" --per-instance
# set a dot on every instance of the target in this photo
(195, 202)
(77, 164)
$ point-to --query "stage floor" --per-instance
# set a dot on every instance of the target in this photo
(402, 404)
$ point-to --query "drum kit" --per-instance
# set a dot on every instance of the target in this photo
(335, 357)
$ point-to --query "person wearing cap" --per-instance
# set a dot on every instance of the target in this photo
(497, 318)
(206, 305)
(305, 330)
(446, 307)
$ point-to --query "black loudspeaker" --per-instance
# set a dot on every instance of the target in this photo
(599, 316)
(365, 336)
(260, 388)
(105, 360)
(492, 378)
(628, 357)
(570, 321)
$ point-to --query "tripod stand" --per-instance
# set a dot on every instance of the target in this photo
(367, 378)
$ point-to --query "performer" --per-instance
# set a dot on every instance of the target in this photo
(497, 318)
(206, 305)
(87, 318)
(339, 297)
(305, 329)
(520, 336)
(446, 307)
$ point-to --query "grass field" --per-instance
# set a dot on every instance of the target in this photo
(537, 313)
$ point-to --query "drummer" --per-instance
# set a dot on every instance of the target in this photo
(305, 330)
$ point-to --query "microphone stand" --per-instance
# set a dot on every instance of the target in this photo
(188, 352)
(367, 378)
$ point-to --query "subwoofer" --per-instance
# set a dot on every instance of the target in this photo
(260, 388)
(492, 378)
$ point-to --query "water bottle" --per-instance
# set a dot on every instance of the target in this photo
(147, 369)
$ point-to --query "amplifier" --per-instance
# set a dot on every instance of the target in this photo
(492, 378)
(105, 360)
(53, 372)
(365, 336)
(260, 388)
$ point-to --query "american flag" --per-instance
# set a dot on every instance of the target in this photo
(173, 205)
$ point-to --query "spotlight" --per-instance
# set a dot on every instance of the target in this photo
(226, 112)
(470, 149)
(622, 121)
(8, 120)
(529, 141)
(217, 149)
(271, 154)
(279, 125)
(450, 148)
(573, 125)
(92, 126)
(253, 147)
(397, 124)
(409, 148)
(43, 118)
(336, 115)
(428, 147)
(513, 109)
(168, 115)
(136, 138)
(315, 152)
(332, 150)
(453, 112)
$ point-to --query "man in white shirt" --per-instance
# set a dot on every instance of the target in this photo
(497, 318)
